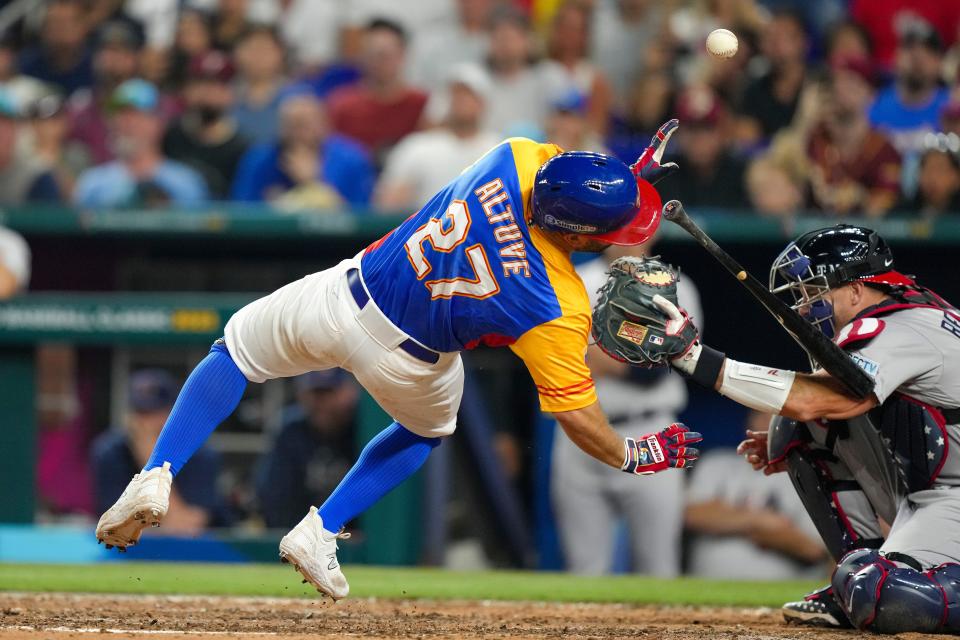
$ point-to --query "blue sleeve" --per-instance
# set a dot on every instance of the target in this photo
(361, 182)
(350, 171)
(249, 180)
(44, 189)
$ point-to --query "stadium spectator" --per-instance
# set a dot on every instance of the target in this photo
(434, 52)
(62, 57)
(49, 124)
(770, 101)
(855, 167)
(415, 18)
(313, 450)
(881, 18)
(14, 263)
(114, 62)
(523, 89)
(259, 58)
(773, 189)
(568, 124)
(194, 37)
(205, 137)
(22, 88)
(588, 501)
(938, 190)
(308, 166)
(745, 529)
(710, 175)
(568, 45)
(622, 32)
(141, 176)
(910, 106)
(24, 177)
(848, 40)
(120, 452)
(424, 162)
(380, 109)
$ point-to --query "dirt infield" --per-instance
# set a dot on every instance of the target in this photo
(43, 616)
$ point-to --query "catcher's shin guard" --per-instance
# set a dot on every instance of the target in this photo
(833, 499)
(891, 594)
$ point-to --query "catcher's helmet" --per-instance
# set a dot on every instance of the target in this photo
(595, 195)
(831, 257)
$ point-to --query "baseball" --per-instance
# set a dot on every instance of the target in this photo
(722, 43)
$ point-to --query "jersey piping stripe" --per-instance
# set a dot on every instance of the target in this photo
(588, 381)
(553, 393)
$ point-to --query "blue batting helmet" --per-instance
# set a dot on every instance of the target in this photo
(595, 195)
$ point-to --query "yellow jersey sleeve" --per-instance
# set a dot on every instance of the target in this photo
(555, 353)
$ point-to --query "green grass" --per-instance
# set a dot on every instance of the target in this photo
(383, 582)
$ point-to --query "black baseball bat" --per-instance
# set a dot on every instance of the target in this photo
(831, 357)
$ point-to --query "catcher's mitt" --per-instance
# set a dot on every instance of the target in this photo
(628, 324)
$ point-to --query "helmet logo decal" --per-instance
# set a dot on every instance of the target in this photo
(575, 227)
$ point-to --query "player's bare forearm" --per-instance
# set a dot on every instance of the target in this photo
(588, 429)
(815, 396)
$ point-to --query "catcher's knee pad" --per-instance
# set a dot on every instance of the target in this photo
(810, 471)
(882, 596)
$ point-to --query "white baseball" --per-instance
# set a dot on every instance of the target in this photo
(722, 43)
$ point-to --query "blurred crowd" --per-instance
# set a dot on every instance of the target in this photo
(842, 107)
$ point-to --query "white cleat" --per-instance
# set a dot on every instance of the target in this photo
(313, 552)
(142, 504)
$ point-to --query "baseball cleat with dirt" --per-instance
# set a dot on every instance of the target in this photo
(142, 504)
(313, 552)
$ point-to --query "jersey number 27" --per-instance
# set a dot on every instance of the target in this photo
(445, 234)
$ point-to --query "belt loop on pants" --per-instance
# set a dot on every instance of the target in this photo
(361, 297)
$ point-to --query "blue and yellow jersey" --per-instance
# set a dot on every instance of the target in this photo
(467, 270)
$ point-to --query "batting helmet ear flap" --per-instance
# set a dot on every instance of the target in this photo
(645, 222)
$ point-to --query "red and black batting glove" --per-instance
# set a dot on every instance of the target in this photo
(658, 451)
(648, 166)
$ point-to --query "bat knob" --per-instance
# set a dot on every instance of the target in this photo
(671, 210)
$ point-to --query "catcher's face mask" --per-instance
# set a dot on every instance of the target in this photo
(808, 292)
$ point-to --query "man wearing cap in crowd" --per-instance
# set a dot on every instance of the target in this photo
(141, 176)
(423, 162)
(24, 177)
(205, 137)
(121, 452)
(710, 174)
(313, 450)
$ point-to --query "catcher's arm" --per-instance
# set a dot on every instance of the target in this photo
(799, 396)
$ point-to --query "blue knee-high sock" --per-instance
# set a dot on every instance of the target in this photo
(387, 460)
(210, 394)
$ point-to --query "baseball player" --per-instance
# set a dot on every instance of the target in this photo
(485, 262)
(889, 456)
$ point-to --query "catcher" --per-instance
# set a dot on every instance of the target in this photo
(854, 462)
